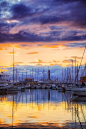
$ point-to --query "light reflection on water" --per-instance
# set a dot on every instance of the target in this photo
(40, 107)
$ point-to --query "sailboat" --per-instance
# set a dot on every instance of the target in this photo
(11, 86)
(82, 90)
(3, 84)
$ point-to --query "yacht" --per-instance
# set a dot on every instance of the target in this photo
(32, 86)
(59, 88)
(49, 86)
(43, 86)
(39, 86)
(4, 85)
(27, 86)
(53, 86)
(79, 91)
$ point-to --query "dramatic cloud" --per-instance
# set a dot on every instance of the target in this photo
(37, 27)
(20, 11)
(42, 21)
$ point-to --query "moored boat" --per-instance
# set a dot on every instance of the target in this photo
(59, 88)
(39, 86)
(79, 91)
(32, 86)
(53, 86)
(43, 86)
(27, 86)
(48, 86)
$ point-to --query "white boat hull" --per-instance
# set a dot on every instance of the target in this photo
(43, 87)
(32, 87)
(59, 88)
(27, 86)
(38, 87)
(82, 93)
(54, 87)
(78, 89)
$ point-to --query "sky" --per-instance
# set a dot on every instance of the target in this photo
(43, 33)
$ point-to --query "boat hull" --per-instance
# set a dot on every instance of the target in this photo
(82, 93)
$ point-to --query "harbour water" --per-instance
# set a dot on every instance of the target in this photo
(41, 108)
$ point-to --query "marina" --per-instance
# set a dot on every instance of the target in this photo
(43, 64)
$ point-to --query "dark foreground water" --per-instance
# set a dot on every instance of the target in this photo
(42, 108)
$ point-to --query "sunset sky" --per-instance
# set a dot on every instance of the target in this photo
(43, 33)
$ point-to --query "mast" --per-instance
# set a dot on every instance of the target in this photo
(13, 66)
(72, 71)
(38, 74)
(16, 76)
(62, 75)
(35, 74)
(77, 73)
(85, 73)
(69, 76)
(26, 74)
(43, 74)
(32, 75)
(75, 70)
(22, 76)
(65, 76)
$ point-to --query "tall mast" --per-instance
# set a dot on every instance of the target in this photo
(35, 74)
(26, 74)
(13, 66)
(65, 76)
(62, 75)
(77, 73)
(32, 75)
(16, 75)
(22, 76)
(43, 74)
(75, 70)
(72, 71)
(38, 74)
(85, 73)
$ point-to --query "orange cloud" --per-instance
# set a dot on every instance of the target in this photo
(32, 53)
(55, 61)
(18, 63)
(56, 45)
(5, 46)
(2, 48)
(66, 61)
(60, 44)
(38, 61)
(76, 57)
(11, 53)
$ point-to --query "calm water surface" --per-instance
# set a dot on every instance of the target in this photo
(41, 108)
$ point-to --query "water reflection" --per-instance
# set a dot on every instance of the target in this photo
(41, 108)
